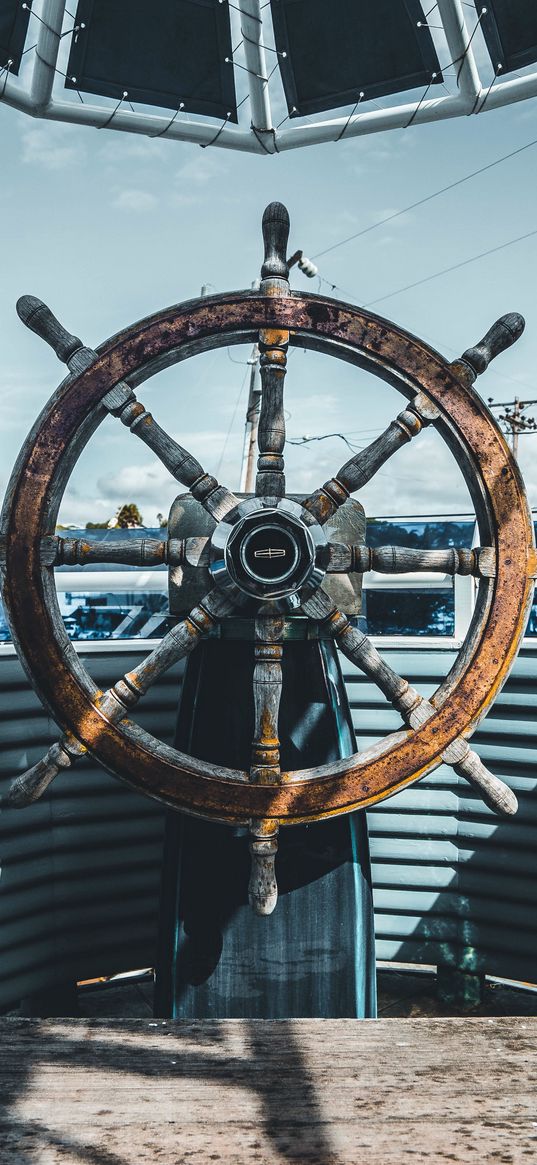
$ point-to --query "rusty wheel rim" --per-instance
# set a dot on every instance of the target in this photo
(361, 338)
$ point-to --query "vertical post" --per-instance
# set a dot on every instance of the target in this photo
(252, 425)
(515, 429)
(48, 45)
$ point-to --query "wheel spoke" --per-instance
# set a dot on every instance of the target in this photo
(414, 709)
(265, 765)
(270, 480)
(117, 701)
(273, 345)
(144, 552)
(215, 498)
(480, 562)
(122, 402)
(362, 467)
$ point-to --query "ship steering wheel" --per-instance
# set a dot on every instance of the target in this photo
(268, 550)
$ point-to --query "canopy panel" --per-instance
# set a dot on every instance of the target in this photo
(264, 76)
(510, 31)
(350, 50)
(171, 53)
(13, 28)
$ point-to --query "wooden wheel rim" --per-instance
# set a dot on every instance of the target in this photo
(40, 477)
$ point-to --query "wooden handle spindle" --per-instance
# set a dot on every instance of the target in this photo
(273, 345)
(267, 686)
(356, 472)
(41, 320)
(495, 793)
(413, 708)
(505, 332)
(117, 701)
(145, 552)
(359, 559)
(31, 785)
(275, 226)
(262, 887)
(122, 402)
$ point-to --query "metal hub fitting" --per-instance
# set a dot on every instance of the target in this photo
(269, 549)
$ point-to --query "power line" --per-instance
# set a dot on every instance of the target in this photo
(422, 201)
(454, 267)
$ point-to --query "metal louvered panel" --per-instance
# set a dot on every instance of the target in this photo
(454, 886)
(80, 870)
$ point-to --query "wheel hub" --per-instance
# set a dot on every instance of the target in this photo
(269, 549)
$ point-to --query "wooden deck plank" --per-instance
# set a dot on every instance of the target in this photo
(321, 1092)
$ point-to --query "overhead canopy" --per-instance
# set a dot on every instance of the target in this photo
(340, 52)
(13, 27)
(217, 72)
(170, 53)
(510, 31)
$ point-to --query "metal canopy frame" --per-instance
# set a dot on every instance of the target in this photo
(39, 90)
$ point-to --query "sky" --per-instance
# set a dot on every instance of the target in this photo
(108, 228)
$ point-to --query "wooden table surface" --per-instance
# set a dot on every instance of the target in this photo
(318, 1092)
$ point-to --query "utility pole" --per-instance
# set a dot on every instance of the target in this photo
(252, 422)
(513, 419)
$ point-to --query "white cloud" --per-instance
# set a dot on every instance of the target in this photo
(136, 200)
(139, 483)
(201, 169)
(138, 147)
(52, 146)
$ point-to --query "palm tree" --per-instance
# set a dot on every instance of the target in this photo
(129, 516)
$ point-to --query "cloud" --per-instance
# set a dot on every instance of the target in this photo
(53, 147)
(139, 483)
(136, 146)
(152, 483)
(135, 200)
(201, 169)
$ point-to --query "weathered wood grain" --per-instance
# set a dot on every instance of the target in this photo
(503, 333)
(413, 708)
(262, 885)
(58, 551)
(273, 345)
(356, 472)
(270, 480)
(307, 1092)
(118, 700)
(121, 401)
(275, 227)
(31, 785)
(267, 684)
(480, 562)
(178, 461)
(265, 766)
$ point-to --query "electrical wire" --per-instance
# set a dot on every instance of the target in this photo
(422, 201)
(231, 423)
(454, 267)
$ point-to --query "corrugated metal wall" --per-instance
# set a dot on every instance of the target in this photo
(80, 870)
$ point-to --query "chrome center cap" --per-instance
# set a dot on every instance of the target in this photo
(269, 549)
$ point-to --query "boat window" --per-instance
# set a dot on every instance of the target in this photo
(426, 534)
(409, 612)
(114, 616)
